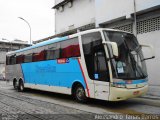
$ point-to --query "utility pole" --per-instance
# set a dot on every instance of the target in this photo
(135, 19)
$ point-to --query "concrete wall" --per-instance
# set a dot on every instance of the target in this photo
(58, 1)
(145, 4)
(81, 13)
(153, 66)
(107, 10)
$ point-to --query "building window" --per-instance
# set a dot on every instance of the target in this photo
(61, 8)
(148, 25)
(70, 4)
(127, 28)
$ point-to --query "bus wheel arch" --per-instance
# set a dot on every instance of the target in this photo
(21, 85)
(78, 92)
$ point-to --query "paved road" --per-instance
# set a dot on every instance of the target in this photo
(34, 104)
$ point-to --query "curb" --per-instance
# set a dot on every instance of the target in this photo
(151, 97)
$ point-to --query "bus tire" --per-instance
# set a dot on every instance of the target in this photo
(15, 84)
(79, 94)
(21, 86)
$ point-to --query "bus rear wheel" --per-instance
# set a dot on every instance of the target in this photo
(79, 94)
(15, 84)
(21, 86)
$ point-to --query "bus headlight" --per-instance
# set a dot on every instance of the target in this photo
(118, 85)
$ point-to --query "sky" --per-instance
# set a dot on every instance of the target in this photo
(38, 13)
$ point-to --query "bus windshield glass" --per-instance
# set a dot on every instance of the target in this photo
(130, 62)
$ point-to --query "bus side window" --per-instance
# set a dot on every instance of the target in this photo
(7, 60)
(19, 59)
(49, 54)
(70, 48)
(12, 60)
(53, 51)
(28, 58)
(39, 56)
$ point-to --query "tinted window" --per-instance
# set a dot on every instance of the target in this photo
(70, 48)
(7, 60)
(65, 49)
(101, 67)
(28, 58)
(53, 51)
(12, 59)
(20, 59)
(39, 56)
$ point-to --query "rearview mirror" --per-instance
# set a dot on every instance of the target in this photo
(152, 51)
(114, 47)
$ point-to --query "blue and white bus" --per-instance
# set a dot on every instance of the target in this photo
(100, 63)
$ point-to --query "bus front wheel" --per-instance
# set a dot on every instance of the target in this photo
(79, 94)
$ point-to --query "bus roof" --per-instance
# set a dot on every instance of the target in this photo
(50, 41)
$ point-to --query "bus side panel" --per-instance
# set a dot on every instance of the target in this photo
(52, 73)
(13, 71)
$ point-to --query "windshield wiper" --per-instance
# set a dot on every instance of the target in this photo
(136, 66)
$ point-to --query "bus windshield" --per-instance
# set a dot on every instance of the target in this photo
(130, 63)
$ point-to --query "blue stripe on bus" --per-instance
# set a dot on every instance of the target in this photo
(54, 40)
(133, 81)
(138, 81)
(53, 74)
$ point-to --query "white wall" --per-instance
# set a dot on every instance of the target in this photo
(81, 13)
(107, 10)
(58, 1)
(153, 66)
(145, 4)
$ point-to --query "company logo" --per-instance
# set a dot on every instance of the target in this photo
(63, 61)
(45, 68)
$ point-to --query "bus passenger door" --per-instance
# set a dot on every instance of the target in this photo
(101, 76)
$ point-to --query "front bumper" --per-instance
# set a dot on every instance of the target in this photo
(118, 94)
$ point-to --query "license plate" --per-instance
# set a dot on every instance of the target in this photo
(135, 92)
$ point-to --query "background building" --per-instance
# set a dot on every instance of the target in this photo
(6, 46)
(141, 17)
(76, 14)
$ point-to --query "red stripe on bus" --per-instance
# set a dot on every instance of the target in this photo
(84, 78)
